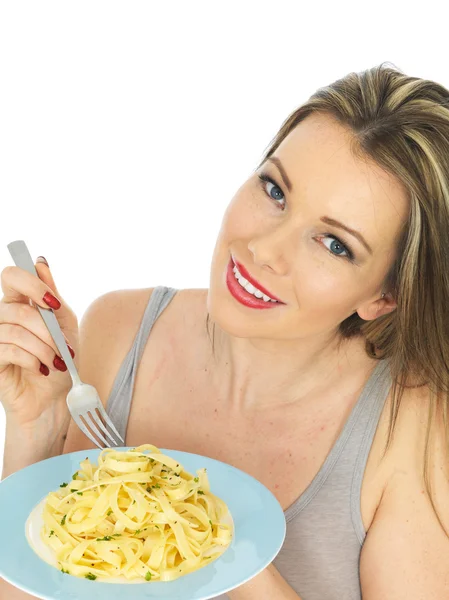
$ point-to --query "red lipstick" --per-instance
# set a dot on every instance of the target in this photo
(253, 281)
(242, 295)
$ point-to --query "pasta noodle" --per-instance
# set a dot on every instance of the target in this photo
(136, 514)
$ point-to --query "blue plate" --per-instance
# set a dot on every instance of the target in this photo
(259, 534)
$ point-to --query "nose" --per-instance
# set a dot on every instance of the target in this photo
(273, 251)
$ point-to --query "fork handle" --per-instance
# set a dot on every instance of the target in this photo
(22, 258)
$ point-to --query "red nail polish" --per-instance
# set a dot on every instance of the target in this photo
(59, 364)
(51, 301)
(44, 370)
(72, 351)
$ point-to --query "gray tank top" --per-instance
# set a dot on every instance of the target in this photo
(325, 533)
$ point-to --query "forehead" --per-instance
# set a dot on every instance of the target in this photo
(328, 178)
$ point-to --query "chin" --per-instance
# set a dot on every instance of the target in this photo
(228, 313)
(239, 321)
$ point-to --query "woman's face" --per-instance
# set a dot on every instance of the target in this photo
(289, 243)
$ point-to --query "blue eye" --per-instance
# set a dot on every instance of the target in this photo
(337, 245)
(275, 193)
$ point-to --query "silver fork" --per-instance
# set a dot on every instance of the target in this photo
(82, 399)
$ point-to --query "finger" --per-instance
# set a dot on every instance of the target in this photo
(14, 336)
(45, 275)
(15, 355)
(18, 285)
(28, 318)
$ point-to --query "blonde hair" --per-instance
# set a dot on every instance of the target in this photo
(402, 124)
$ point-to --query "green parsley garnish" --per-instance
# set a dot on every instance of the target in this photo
(200, 492)
(63, 485)
(196, 479)
(74, 475)
(63, 520)
(91, 576)
(148, 576)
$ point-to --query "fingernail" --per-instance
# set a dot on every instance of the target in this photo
(44, 370)
(59, 364)
(51, 301)
(72, 351)
(42, 259)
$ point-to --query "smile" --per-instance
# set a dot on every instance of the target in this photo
(246, 290)
(249, 287)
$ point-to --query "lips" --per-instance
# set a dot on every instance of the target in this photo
(253, 281)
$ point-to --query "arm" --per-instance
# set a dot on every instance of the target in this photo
(268, 585)
(406, 551)
(24, 447)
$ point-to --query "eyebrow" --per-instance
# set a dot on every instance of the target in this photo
(277, 162)
(353, 232)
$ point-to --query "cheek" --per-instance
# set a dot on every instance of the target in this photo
(244, 216)
(317, 285)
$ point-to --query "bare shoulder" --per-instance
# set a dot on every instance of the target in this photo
(405, 544)
(107, 330)
(409, 438)
(406, 457)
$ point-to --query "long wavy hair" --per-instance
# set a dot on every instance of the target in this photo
(402, 123)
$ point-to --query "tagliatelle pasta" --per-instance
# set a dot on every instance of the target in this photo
(137, 514)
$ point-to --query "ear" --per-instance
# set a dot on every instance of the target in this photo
(378, 308)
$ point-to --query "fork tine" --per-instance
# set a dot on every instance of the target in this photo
(100, 424)
(81, 425)
(105, 416)
(93, 422)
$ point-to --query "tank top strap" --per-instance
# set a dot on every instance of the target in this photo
(361, 439)
(342, 471)
(160, 298)
(119, 401)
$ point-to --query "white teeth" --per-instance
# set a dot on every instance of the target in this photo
(249, 287)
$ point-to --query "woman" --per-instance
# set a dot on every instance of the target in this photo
(325, 376)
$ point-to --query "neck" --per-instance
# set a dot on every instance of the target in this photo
(260, 373)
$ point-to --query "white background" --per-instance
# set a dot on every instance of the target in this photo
(126, 127)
